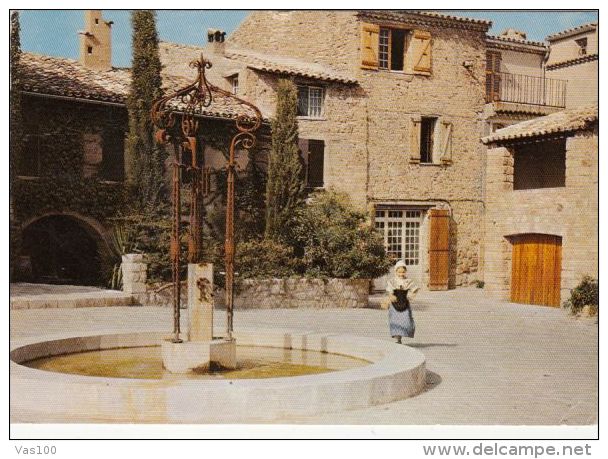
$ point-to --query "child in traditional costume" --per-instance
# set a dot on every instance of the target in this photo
(401, 291)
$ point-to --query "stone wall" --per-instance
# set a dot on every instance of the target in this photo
(367, 127)
(299, 293)
(279, 293)
(570, 212)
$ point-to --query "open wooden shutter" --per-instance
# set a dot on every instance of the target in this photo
(415, 125)
(369, 46)
(446, 142)
(493, 60)
(439, 249)
(421, 51)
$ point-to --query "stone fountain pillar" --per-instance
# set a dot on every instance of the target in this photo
(200, 349)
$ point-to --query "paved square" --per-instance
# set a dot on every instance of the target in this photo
(489, 363)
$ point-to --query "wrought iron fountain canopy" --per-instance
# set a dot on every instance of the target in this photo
(176, 117)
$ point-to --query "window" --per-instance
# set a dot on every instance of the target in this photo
(395, 49)
(113, 162)
(30, 163)
(427, 137)
(89, 49)
(391, 49)
(310, 101)
(235, 84)
(582, 46)
(430, 140)
(313, 157)
(401, 231)
(539, 165)
(493, 60)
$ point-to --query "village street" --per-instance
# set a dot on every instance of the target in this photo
(488, 362)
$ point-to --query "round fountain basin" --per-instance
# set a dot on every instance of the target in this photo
(253, 362)
(346, 373)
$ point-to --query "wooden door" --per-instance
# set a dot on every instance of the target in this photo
(439, 249)
(536, 269)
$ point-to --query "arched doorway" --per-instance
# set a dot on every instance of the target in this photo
(63, 250)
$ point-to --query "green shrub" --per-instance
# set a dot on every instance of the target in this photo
(479, 283)
(335, 240)
(584, 294)
(265, 258)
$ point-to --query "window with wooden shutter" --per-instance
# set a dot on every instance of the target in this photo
(369, 46)
(415, 124)
(421, 51)
(446, 142)
(493, 60)
(439, 249)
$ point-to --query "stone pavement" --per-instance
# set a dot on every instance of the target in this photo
(43, 296)
(488, 362)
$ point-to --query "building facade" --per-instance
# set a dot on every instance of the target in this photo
(542, 207)
(574, 57)
(391, 107)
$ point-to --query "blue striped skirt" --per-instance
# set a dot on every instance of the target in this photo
(401, 323)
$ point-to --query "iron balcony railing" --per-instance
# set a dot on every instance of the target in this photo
(525, 89)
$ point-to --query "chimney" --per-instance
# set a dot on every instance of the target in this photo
(514, 34)
(216, 39)
(96, 42)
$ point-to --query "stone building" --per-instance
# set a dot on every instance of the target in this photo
(541, 223)
(574, 57)
(69, 181)
(391, 107)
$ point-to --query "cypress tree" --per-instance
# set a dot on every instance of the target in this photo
(285, 187)
(144, 158)
(15, 129)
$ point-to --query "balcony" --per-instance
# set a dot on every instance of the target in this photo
(525, 89)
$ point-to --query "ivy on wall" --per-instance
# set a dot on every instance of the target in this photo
(91, 198)
(54, 134)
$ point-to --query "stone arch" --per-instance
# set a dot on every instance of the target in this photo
(64, 248)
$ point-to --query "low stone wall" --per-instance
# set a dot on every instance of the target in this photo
(276, 293)
(299, 293)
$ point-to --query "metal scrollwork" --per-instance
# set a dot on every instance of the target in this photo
(187, 104)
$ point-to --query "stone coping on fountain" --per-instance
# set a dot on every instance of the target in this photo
(395, 372)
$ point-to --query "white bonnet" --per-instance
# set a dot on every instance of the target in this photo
(400, 264)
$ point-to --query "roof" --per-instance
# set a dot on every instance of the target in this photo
(428, 18)
(565, 121)
(573, 31)
(515, 42)
(54, 76)
(288, 66)
(455, 18)
(66, 77)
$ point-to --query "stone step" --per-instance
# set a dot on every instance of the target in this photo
(73, 300)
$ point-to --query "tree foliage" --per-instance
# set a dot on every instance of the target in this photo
(337, 240)
(285, 187)
(145, 159)
(16, 130)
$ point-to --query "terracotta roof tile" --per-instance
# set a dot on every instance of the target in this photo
(539, 44)
(288, 66)
(54, 76)
(564, 121)
(573, 31)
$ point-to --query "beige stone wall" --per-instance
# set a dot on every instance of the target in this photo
(570, 212)
(566, 48)
(582, 87)
(326, 37)
(367, 128)
(521, 63)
